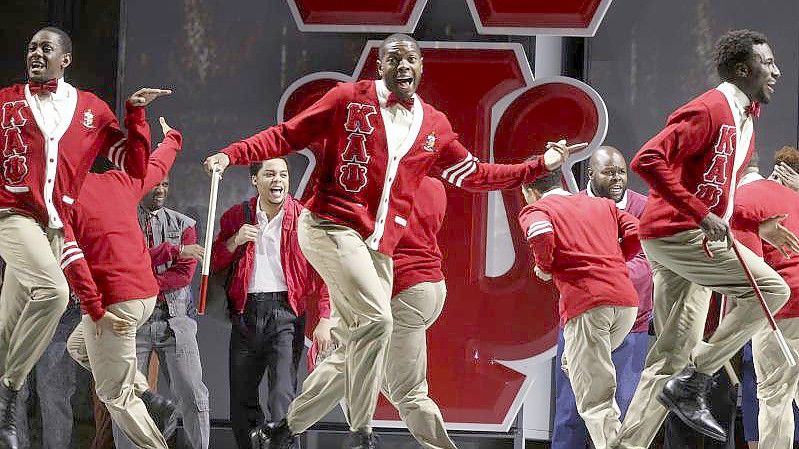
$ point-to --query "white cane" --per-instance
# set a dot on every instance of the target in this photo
(786, 351)
(216, 175)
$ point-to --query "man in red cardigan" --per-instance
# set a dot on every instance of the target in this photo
(107, 263)
(379, 141)
(51, 135)
(269, 286)
(777, 382)
(692, 167)
(582, 244)
(607, 178)
(417, 301)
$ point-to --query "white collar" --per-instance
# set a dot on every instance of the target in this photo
(555, 191)
(262, 215)
(622, 204)
(749, 177)
(739, 99)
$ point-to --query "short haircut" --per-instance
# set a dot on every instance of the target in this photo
(735, 47)
(63, 37)
(396, 37)
(789, 156)
(255, 167)
(546, 183)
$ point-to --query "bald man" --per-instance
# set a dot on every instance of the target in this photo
(607, 178)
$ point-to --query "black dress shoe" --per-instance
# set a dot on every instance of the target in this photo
(685, 395)
(258, 438)
(360, 440)
(279, 435)
(163, 411)
(8, 428)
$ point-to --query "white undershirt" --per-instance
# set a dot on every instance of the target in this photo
(738, 101)
(53, 113)
(267, 270)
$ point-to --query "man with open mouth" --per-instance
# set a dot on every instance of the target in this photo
(379, 140)
(53, 132)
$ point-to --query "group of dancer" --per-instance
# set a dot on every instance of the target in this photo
(365, 245)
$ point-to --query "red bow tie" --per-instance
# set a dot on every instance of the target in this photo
(753, 109)
(394, 99)
(47, 86)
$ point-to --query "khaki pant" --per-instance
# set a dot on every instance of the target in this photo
(34, 294)
(777, 385)
(589, 339)
(112, 360)
(405, 384)
(359, 281)
(684, 277)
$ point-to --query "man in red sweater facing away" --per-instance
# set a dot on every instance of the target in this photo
(777, 382)
(108, 267)
(582, 243)
(51, 135)
(379, 141)
(417, 301)
(692, 167)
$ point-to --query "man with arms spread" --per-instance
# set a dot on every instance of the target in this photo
(380, 140)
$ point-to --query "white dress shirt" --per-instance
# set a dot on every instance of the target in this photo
(53, 113)
(738, 102)
(267, 271)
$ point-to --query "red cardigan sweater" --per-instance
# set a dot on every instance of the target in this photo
(575, 238)
(105, 257)
(357, 186)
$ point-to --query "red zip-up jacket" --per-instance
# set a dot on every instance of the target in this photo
(105, 258)
(764, 199)
(301, 279)
(689, 166)
(38, 170)
(359, 184)
(575, 238)
(417, 257)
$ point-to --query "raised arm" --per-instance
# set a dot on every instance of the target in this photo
(283, 138)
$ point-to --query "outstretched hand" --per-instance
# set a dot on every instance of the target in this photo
(218, 162)
(165, 128)
(146, 95)
(775, 234)
(557, 153)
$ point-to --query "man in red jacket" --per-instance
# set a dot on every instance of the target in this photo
(582, 244)
(270, 283)
(106, 262)
(692, 167)
(778, 383)
(379, 141)
(418, 299)
(607, 178)
(51, 135)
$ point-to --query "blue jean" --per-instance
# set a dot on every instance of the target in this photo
(569, 430)
(55, 385)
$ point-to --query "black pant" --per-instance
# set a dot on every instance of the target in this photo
(267, 337)
(723, 404)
